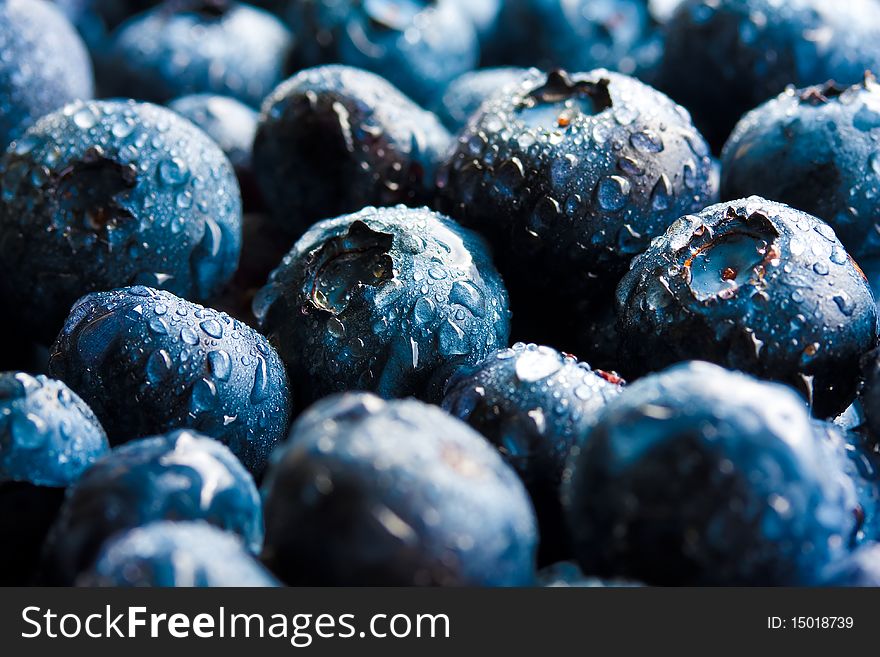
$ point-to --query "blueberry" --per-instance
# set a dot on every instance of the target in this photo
(463, 96)
(756, 286)
(176, 554)
(418, 45)
(105, 194)
(199, 46)
(870, 395)
(334, 139)
(573, 173)
(724, 57)
(44, 65)
(95, 19)
(564, 574)
(232, 125)
(861, 465)
(698, 475)
(814, 149)
(149, 362)
(861, 568)
(583, 34)
(367, 492)
(534, 404)
(48, 437)
(572, 34)
(390, 300)
(177, 476)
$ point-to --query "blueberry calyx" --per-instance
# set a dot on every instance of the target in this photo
(346, 263)
(738, 256)
(823, 93)
(92, 188)
(560, 88)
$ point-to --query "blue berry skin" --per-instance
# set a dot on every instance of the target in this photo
(816, 150)
(178, 476)
(861, 568)
(105, 194)
(861, 465)
(200, 46)
(48, 435)
(725, 57)
(368, 492)
(534, 404)
(698, 475)
(577, 35)
(232, 125)
(418, 45)
(580, 35)
(149, 362)
(176, 554)
(334, 139)
(756, 286)
(573, 173)
(463, 96)
(44, 65)
(869, 395)
(388, 300)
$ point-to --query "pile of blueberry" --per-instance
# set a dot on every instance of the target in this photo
(290, 292)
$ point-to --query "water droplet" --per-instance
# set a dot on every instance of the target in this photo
(423, 310)
(844, 303)
(646, 141)
(220, 364)
(452, 339)
(261, 382)
(204, 392)
(537, 364)
(467, 295)
(213, 328)
(189, 336)
(612, 192)
(158, 366)
(85, 118)
(661, 195)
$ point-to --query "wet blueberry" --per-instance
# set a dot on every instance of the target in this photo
(568, 177)
(418, 45)
(232, 125)
(368, 492)
(861, 568)
(698, 475)
(199, 46)
(176, 554)
(334, 139)
(534, 404)
(724, 57)
(43, 65)
(149, 362)
(48, 437)
(577, 35)
(178, 476)
(756, 286)
(464, 95)
(105, 194)
(390, 300)
(859, 463)
(816, 150)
